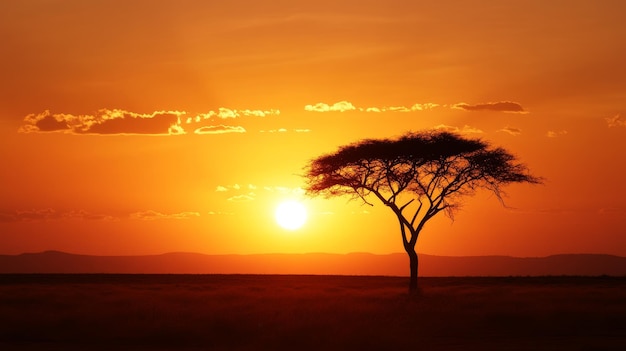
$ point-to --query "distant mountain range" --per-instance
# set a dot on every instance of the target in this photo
(315, 263)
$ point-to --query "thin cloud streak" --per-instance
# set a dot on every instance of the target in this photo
(219, 213)
(279, 130)
(341, 106)
(49, 214)
(555, 134)
(151, 215)
(511, 131)
(220, 129)
(242, 198)
(226, 113)
(225, 188)
(285, 190)
(272, 189)
(465, 130)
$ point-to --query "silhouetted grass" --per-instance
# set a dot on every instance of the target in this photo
(241, 312)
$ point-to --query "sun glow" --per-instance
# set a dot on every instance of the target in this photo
(290, 214)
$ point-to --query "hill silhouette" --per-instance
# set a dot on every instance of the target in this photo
(315, 263)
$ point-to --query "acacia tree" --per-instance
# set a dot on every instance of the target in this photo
(417, 176)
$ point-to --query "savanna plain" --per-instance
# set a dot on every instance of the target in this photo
(291, 312)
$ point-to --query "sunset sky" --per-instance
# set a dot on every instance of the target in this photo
(145, 127)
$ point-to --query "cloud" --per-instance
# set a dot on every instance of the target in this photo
(150, 215)
(225, 113)
(106, 121)
(217, 213)
(423, 107)
(242, 198)
(258, 113)
(616, 121)
(84, 215)
(465, 130)
(348, 106)
(36, 215)
(47, 214)
(224, 188)
(397, 109)
(250, 196)
(340, 106)
(502, 106)
(279, 130)
(220, 129)
(116, 122)
(415, 107)
(284, 190)
(511, 130)
(373, 109)
(553, 134)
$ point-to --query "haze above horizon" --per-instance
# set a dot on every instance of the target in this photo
(138, 127)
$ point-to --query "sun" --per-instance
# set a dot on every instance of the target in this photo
(290, 214)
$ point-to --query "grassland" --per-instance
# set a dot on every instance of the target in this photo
(270, 312)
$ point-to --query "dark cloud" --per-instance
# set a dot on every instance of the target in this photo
(50, 124)
(502, 106)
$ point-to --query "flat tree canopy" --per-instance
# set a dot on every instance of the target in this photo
(416, 175)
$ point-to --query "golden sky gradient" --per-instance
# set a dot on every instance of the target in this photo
(143, 127)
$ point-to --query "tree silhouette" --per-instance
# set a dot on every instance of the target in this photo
(417, 176)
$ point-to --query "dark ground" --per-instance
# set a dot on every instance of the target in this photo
(272, 312)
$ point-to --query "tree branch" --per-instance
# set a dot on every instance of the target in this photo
(406, 204)
(405, 242)
(416, 213)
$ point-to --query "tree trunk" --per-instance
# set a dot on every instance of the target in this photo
(413, 264)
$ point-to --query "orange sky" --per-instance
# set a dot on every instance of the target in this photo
(143, 127)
